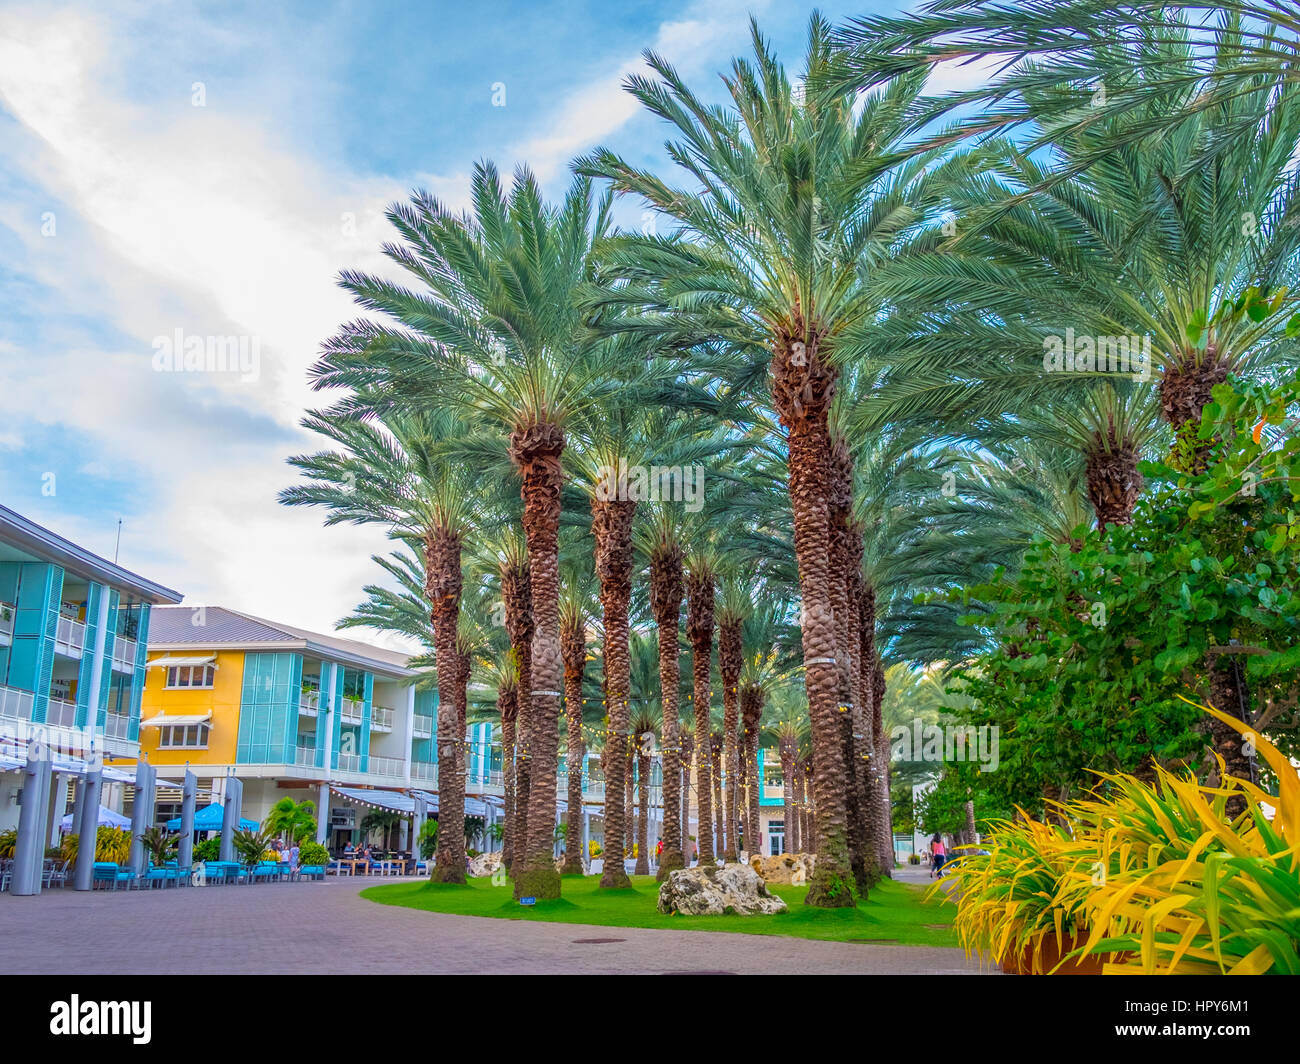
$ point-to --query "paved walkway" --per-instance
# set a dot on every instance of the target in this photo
(296, 928)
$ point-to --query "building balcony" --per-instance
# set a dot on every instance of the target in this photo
(124, 654)
(60, 713)
(6, 623)
(70, 637)
(381, 719)
(305, 756)
(423, 727)
(424, 772)
(309, 703)
(353, 712)
(117, 726)
(386, 766)
(16, 704)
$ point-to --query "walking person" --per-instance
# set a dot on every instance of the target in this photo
(937, 855)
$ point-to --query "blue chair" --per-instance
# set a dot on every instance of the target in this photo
(156, 876)
(312, 871)
(108, 872)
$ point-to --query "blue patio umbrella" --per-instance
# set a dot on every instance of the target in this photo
(209, 819)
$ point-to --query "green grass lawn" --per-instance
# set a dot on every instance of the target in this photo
(894, 913)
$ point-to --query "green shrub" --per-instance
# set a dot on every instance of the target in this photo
(313, 853)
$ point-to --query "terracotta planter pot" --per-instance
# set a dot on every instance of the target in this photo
(1022, 963)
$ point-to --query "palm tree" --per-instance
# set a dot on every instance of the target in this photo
(391, 471)
(497, 331)
(1063, 64)
(701, 565)
(793, 205)
(731, 617)
(295, 821)
(574, 605)
(790, 729)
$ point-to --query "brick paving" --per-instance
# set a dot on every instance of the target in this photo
(301, 928)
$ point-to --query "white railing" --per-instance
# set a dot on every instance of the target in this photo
(15, 703)
(349, 762)
(124, 654)
(386, 766)
(594, 789)
(425, 773)
(305, 756)
(61, 713)
(381, 718)
(352, 711)
(7, 619)
(773, 790)
(423, 727)
(309, 703)
(117, 726)
(70, 636)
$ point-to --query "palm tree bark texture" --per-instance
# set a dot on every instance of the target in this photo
(574, 647)
(612, 528)
(751, 713)
(517, 599)
(443, 590)
(535, 450)
(730, 660)
(802, 388)
(699, 632)
(687, 741)
(666, 606)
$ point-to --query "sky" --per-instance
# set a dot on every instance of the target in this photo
(179, 172)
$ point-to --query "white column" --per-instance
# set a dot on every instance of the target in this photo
(97, 667)
(323, 808)
(410, 734)
(325, 710)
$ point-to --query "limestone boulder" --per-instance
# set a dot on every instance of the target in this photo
(787, 868)
(720, 890)
(484, 865)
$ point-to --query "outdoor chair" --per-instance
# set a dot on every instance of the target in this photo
(54, 874)
(312, 871)
(156, 876)
(110, 874)
(338, 868)
(6, 871)
(179, 876)
(381, 868)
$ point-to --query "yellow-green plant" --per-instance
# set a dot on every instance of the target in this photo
(1008, 900)
(8, 843)
(111, 844)
(1182, 888)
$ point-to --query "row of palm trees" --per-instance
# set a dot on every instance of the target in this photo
(826, 283)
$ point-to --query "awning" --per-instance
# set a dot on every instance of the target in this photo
(473, 806)
(165, 721)
(209, 819)
(14, 759)
(206, 659)
(391, 800)
(108, 818)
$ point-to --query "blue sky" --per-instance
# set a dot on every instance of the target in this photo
(128, 212)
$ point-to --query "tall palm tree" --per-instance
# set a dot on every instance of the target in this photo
(792, 205)
(497, 330)
(701, 566)
(391, 472)
(732, 611)
(574, 606)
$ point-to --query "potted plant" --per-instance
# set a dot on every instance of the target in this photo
(159, 844)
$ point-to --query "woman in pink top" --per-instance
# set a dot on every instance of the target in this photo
(937, 855)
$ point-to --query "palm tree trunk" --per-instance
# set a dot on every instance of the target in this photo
(666, 605)
(871, 727)
(885, 840)
(643, 769)
(803, 385)
(442, 586)
(536, 450)
(719, 818)
(517, 600)
(687, 741)
(1184, 392)
(751, 713)
(730, 659)
(1112, 477)
(612, 527)
(1229, 694)
(629, 804)
(508, 701)
(574, 647)
(810, 835)
(699, 630)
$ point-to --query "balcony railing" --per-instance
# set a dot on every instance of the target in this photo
(349, 762)
(386, 766)
(423, 727)
(305, 756)
(7, 619)
(117, 726)
(309, 703)
(124, 654)
(70, 636)
(61, 713)
(352, 711)
(425, 773)
(15, 703)
(381, 718)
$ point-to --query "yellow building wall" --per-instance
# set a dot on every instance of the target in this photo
(222, 700)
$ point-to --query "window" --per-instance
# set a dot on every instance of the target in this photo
(183, 737)
(191, 675)
(776, 836)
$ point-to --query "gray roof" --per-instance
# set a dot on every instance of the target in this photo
(40, 542)
(174, 627)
